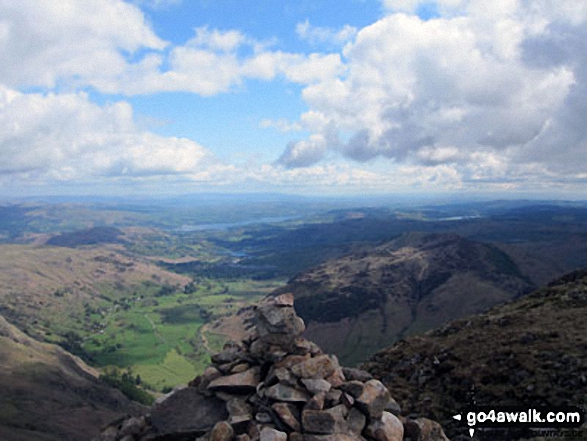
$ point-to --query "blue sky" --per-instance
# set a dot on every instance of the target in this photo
(331, 97)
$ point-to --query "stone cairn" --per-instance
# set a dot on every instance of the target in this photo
(276, 386)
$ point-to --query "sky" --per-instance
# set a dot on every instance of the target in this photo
(166, 97)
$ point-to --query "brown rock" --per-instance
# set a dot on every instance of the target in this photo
(333, 398)
(286, 299)
(239, 383)
(321, 366)
(373, 399)
(354, 388)
(325, 421)
(423, 429)
(337, 378)
(356, 421)
(133, 426)
(239, 410)
(289, 415)
(187, 412)
(243, 437)
(269, 434)
(388, 428)
(291, 360)
(356, 374)
(334, 437)
(281, 392)
(315, 386)
(278, 324)
(316, 402)
(222, 431)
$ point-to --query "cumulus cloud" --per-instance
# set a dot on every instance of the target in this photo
(318, 35)
(44, 43)
(66, 137)
(502, 84)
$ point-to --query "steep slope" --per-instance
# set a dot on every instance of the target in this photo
(360, 303)
(48, 394)
(532, 351)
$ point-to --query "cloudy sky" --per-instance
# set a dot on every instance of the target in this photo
(301, 96)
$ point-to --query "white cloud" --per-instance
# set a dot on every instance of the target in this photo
(491, 90)
(44, 43)
(317, 35)
(66, 137)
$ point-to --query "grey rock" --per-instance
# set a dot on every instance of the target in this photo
(240, 383)
(187, 412)
(315, 386)
(280, 392)
(356, 374)
(325, 421)
(132, 426)
(373, 399)
(222, 431)
(388, 428)
(268, 434)
(356, 421)
(289, 415)
(321, 366)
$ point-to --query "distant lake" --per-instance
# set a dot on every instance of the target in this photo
(226, 226)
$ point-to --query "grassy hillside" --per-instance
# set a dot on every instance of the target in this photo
(531, 351)
(362, 302)
(49, 395)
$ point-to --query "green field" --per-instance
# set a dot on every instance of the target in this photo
(159, 337)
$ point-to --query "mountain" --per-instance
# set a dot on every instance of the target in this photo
(531, 351)
(48, 394)
(363, 302)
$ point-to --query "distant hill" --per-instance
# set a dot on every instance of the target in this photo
(531, 351)
(49, 395)
(362, 302)
(90, 236)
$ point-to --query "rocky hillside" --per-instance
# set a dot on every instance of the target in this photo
(47, 394)
(276, 386)
(530, 351)
(360, 303)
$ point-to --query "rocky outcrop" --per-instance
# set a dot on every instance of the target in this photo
(274, 386)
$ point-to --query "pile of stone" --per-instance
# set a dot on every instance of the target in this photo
(275, 386)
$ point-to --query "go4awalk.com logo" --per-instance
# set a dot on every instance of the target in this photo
(516, 417)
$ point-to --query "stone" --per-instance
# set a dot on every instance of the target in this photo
(295, 436)
(393, 407)
(423, 429)
(227, 356)
(263, 417)
(356, 421)
(286, 299)
(289, 415)
(337, 378)
(239, 410)
(128, 438)
(222, 431)
(291, 360)
(303, 346)
(354, 388)
(243, 437)
(333, 398)
(278, 324)
(347, 400)
(238, 383)
(109, 434)
(333, 437)
(238, 368)
(316, 386)
(325, 421)
(281, 392)
(132, 426)
(284, 376)
(269, 434)
(316, 402)
(356, 374)
(321, 366)
(388, 428)
(187, 412)
(373, 399)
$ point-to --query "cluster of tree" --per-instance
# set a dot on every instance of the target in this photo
(128, 384)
